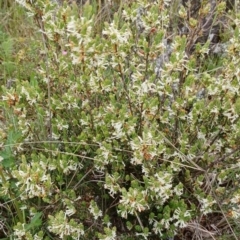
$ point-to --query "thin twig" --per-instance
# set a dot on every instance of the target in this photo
(219, 205)
(186, 157)
(45, 43)
(88, 172)
(139, 221)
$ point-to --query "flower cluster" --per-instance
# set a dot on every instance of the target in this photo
(60, 225)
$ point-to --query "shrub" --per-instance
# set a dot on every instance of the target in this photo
(127, 129)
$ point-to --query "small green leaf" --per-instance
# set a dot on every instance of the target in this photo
(8, 159)
(129, 225)
(35, 222)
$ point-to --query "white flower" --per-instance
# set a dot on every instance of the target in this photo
(25, 4)
(178, 189)
(111, 184)
(110, 234)
(158, 227)
(235, 213)
(133, 200)
(118, 133)
(19, 231)
(115, 35)
(235, 199)
(206, 205)
(70, 211)
(180, 216)
(94, 210)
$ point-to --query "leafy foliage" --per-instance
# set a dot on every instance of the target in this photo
(129, 124)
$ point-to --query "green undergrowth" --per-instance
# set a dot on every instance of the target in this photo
(119, 120)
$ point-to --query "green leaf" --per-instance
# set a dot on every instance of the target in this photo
(8, 159)
(7, 47)
(87, 11)
(7, 153)
(35, 222)
(237, 106)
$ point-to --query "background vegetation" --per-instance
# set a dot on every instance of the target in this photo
(119, 119)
